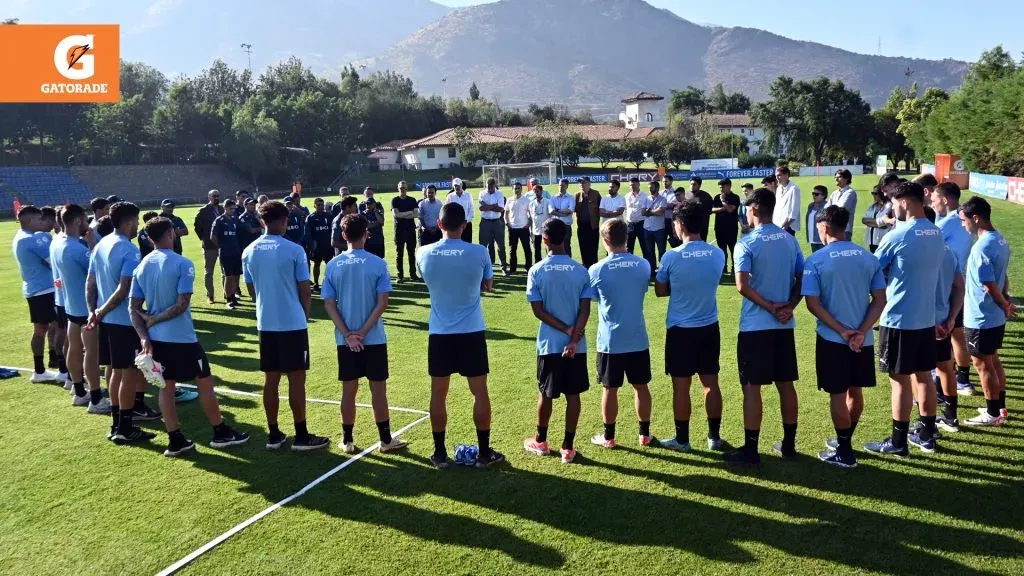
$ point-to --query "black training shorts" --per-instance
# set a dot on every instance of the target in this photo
(284, 351)
(41, 309)
(838, 368)
(943, 350)
(181, 362)
(984, 341)
(371, 363)
(767, 356)
(231, 266)
(613, 370)
(904, 352)
(557, 375)
(690, 351)
(123, 345)
(79, 321)
(62, 317)
(464, 354)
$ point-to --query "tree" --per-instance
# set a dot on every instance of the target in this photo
(886, 139)
(993, 65)
(674, 149)
(10, 21)
(474, 92)
(569, 148)
(532, 149)
(604, 151)
(144, 81)
(912, 116)
(252, 142)
(463, 138)
(636, 151)
(688, 102)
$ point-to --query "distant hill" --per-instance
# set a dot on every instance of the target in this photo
(591, 53)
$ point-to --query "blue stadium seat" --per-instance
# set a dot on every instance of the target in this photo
(41, 185)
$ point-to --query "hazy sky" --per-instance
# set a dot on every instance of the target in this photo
(932, 29)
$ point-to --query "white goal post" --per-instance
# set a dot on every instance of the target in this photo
(508, 174)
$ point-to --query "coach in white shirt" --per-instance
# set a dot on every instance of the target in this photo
(612, 205)
(462, 198)
(787, 203)
(540, 211)
(634, 217)
(844, 196)
(517, 217)
(492, 222)
(563, 205)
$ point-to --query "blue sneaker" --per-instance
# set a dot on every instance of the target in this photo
(887, 448)
(673, 444)
(928, 446)
(182, 395)
(964, 388)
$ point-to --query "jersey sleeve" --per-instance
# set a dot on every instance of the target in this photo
(986, 272)
(485, 260)
(572, 203)
(384, 279)
(246, 274)
(646, 267)
(299, 265)
(885, 251)
(130, 262)
(811, 285)
(742, 258)
(81, 257)
(186, 276)
(533, 287)
(327, 290)
(41, 246)
(666, 267)
(877, 279)
(798, 264)
(136, 289)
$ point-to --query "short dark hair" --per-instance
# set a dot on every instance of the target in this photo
(697, 179)
(836, 217)
(492, 181)
(230, 202)
(105, 226)
(909, 190)
(634, 179)
(655, 185)
(769, 179)
(49, 213)
(452, 216)
(315, 200)
(822, 189)
(70, 213)
(554, 230)
(295, 196)
(926, 180)
(844, 174)
(747, 186)
(690, 213)
(929, 213)
(242, 192)
(149, 216)
(157, 228)
(273, 211)
(98, 204)
(977, 206)
(949, 190)
(122, 211)
(888, 178)
(614, 183)
(354, 226)
(764, 199)
(431, 187)
(349, 201)
(614, 231)
(668, 176)
(27, 211)
(783, 170)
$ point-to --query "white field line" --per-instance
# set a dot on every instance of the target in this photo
(225, 390)
(273, 508)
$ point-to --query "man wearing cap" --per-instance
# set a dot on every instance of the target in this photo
(492, 225)
(787, 207)
(249, 226)
(459, 196)
(725, 208)
(562, 207)
(203, 226)
(705, 201)
(167, 211)
(224, 235)
(588, 203)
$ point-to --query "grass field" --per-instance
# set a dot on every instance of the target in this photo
(75, 504)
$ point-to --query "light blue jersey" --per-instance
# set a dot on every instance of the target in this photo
(912, 252)
(32, 252)
(692, 272)
(620, 281)
(949, 269)
(355, 279)
(559, 282)
(59, 295)
(453, 271)
(275, 266)
(70, 261)
(988, 262)
(843, 275)
(159, 279)
(773, 258)
(114, 258)
(954, 235)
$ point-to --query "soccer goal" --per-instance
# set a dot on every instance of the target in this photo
(508, 174)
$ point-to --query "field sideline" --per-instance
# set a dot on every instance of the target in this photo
(75, 504)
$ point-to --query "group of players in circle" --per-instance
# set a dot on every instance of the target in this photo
(927, 287)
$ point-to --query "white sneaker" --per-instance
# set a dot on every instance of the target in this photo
(66, 379)
(348, 447)
(395, 444)
(102, 408)
(80, 400)
(46, 376)
(985, 419)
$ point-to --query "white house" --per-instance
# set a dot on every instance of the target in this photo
(643, 110)
(386, 156)
(740, 125)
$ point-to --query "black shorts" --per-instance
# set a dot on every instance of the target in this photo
(103, 353)
(323, 254)
(79, 321)
(464, 354)
(690, 351)
(767, 356)
(41, 309)
(943, 350)
(613, 370)
(838, 368)
(557, 375)
(371, 363)
(959, 323)
(123, 346)
(905, 352)
(984, 341)
(62, 317)
(231, 266)
(284, 351)
(181, 362)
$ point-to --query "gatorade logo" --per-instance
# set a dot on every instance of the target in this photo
(60, 63)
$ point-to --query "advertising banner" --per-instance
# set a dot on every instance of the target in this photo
(989, 185)
(1015, 190)
(714, 164)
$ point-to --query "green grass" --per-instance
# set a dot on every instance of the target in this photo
(74, 504)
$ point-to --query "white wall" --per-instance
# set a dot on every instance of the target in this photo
(854, 169)
(419, 157)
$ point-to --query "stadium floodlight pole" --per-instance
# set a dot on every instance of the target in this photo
(247, 48)
(444, 88)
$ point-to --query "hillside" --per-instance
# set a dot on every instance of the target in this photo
(523, 51)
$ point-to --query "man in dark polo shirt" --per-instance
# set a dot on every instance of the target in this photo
(167, 211)
(588, 202)
(706, 202)
(405, 209)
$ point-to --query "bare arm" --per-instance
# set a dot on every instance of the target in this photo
(544, 316)
(179, 308)
(487, 285)
(874, 311)
(140, 323)
(91, 294)
(378, 311)
(123, 289)
(662, 290)
(251, 290)
(305, 295)
(815, 307)
(747, 291)
(992, 289)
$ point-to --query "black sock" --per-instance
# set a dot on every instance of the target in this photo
(300, 429)
(176, 436)
(949, 411)
(62, 365)
(96, 396)
(384, 431)
(993, 406)
(853, 427)
(439, 449)
(220, 429)
(683, 431)
(609, 431)
(542, 433)
(899, 433)
(140, 401)
(115, 413)
(1002, 400)
(483, 438)
(928, 432)
(79, 388)
(124, 424)
(645, 428)
(274, 430)
(714, 427)
(963, 373)
(845, 438)
(40, 364)
(750, 440)
(789, 437)
(569, 441)
(346, 433)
